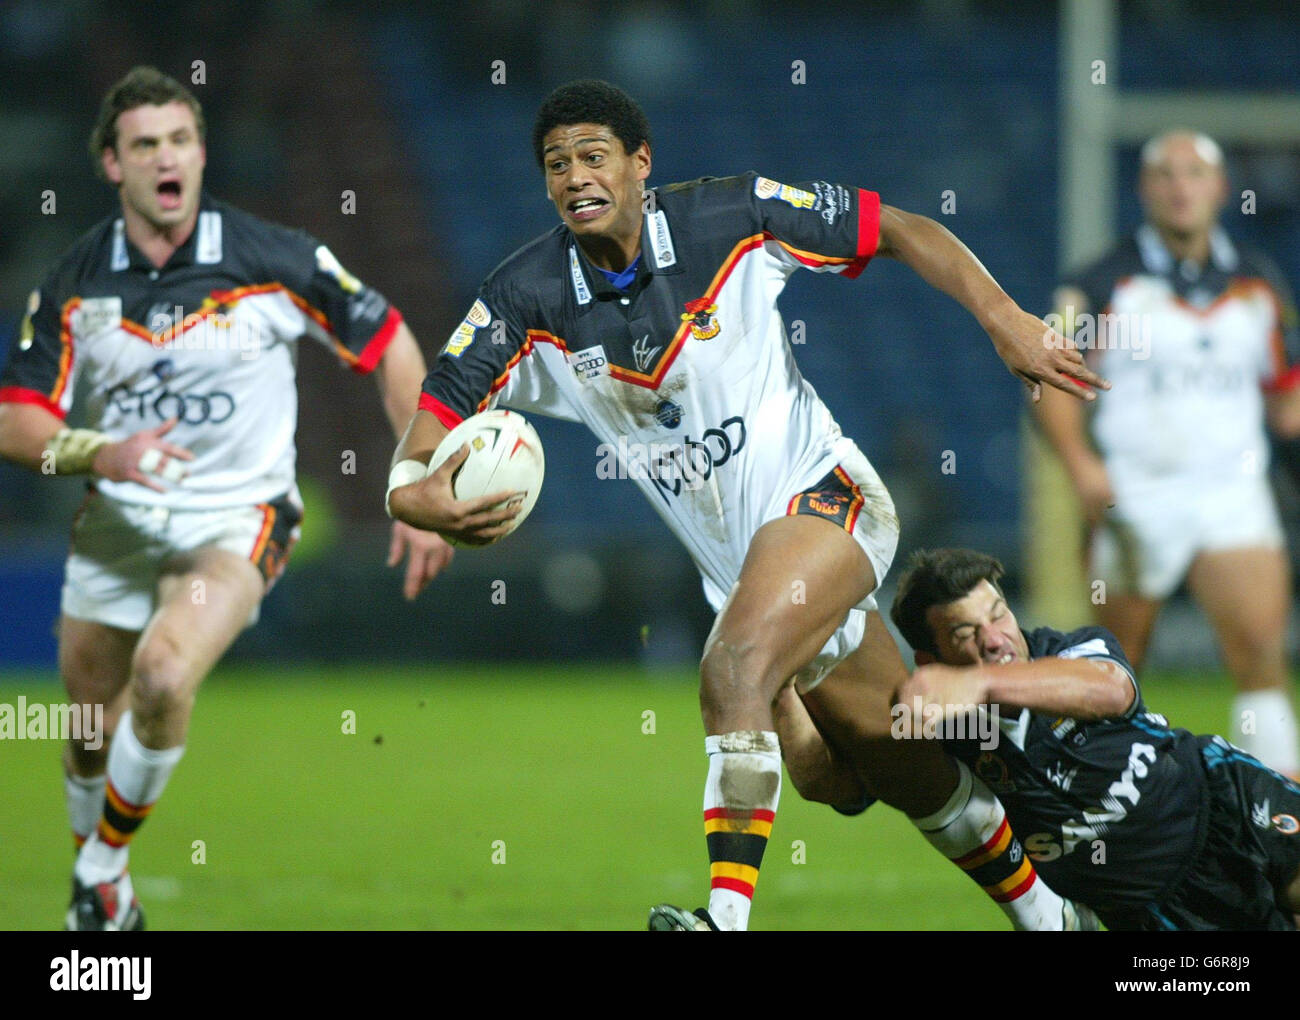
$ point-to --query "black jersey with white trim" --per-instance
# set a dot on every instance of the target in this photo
(208, 338)
(1111, 811)
(685, 377)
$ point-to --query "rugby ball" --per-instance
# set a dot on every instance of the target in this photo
(505, 455)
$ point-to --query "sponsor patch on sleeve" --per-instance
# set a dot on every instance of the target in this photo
(478, 317)
(766, 188)
(330, 266)
(27, 331)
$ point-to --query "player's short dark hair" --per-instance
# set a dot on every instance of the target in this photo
(590, 101)
(141, 86)
(935, 577)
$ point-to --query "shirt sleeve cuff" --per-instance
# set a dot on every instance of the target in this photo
(374, 350)
(22, 395)
(440, 410)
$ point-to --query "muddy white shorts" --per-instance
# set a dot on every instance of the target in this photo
(851, 496)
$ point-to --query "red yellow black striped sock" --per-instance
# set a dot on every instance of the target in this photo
(1000, 866)
(972, 831)
(747, 765)
(137, 776)
(120, 818)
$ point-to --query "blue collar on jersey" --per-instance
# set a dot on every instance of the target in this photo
(624, 279)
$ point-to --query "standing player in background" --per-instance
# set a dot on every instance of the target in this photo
(1199, 336)
(651, 317)
(177, 326)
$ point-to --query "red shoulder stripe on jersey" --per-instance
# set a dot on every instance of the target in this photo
(1241, 287)
(66, 355)
(22, 395)
(374, 350)
(525, 349)
(440, 410)
(219, 301)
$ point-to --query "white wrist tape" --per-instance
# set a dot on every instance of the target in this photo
(172, 469)
(404, 473)
(72, 451)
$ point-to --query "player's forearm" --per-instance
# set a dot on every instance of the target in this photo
(1076, 688)
(25, 431)
(400, 373)
(939, 258)
(416, 446)
(1062, 422)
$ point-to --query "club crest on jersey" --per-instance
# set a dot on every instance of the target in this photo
(1286, 824)
(704, 324)
(994, 772)
(766, 188)
(478, 317)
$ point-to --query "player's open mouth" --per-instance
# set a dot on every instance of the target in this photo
(169, 194)
(1009, 657)
(587, 208)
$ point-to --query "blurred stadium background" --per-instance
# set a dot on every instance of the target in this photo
(993, 102)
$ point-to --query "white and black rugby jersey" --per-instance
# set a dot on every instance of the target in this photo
(209, 339)
(1189, 351)
(685, 377)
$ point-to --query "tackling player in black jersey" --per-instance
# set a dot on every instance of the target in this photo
(1152, 827)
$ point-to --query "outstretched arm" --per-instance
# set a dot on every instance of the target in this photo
(1031, 349)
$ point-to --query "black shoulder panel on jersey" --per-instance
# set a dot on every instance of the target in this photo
(39, 360)
(494, 335)
(1097, 279)
(339, 302)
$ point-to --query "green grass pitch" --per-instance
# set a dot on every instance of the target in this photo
(476, 797)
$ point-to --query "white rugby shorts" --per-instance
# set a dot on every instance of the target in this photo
(119, 551)
(1147, 542)
(850, 495)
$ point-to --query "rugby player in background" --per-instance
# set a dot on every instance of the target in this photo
(192, 506)
(1200, 337)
